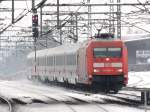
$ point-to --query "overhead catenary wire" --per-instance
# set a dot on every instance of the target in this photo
(27, 5)
(62, 25)
(19, 18)
(146, 9)
(134, 25)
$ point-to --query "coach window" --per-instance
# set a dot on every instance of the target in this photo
(71, 59)
(29, 62)
(57, 60)
(53, 60)
(62, 60)
(38, 61)
(32, 62)
(41, 61)
(50, 61)
(46, 61)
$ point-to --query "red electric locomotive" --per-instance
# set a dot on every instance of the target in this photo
(100, 62)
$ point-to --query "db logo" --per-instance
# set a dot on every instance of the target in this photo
(107, 64)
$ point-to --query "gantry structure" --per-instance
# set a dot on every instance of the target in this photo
(61, 22)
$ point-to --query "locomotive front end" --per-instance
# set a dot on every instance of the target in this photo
(107, 64)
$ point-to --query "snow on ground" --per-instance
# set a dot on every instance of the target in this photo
(65, 99)
(139, 79)
(76, 108)
(118, 108)
(4, 108)
(60, 108)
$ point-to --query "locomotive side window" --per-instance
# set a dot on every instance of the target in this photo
(107, 52)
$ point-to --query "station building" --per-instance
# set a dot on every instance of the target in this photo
(138, 52)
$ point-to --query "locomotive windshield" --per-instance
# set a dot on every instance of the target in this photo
(107, 52)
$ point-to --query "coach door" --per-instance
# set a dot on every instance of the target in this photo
(82, 68)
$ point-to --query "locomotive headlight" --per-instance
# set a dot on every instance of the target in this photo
(95, 70)
(120, 70)
(90, 76)
(107, 59)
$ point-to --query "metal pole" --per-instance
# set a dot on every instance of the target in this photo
(35, 53)
(111, 19)
(33, 3)
(16, 49)
(60, 36)
(118, 20)
(76, 28)
(145, 101)
(12, 11)
(41, 21)
(58, 23)
(33, 11)
(0, 46)
(89, 20)
(57, 14)
(46, 41)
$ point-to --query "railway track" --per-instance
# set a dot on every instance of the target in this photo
(43, 92)
(69, 100)
(8, 102)
(102, 108)
(140, 79)
(120, 98)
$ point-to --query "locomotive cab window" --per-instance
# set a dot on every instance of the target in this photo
(107, 52)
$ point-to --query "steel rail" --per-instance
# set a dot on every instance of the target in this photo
(8, 102)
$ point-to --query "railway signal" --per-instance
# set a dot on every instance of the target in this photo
(35, 32)
(35, 25)
(35, 20)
